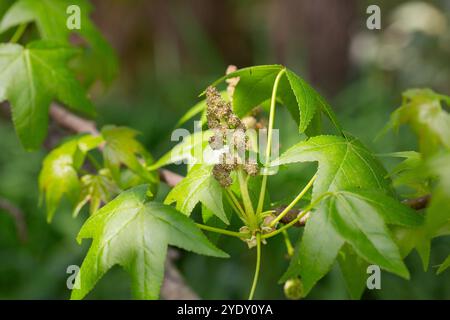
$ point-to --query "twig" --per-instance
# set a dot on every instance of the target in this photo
(18, 216)
(418, 203)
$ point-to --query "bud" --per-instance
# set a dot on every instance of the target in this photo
(293, 289)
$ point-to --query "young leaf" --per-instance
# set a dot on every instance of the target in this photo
(30, 78)
(96, 189)
(255, 87)
(121, 147)
(422, 110)
(59, 175)
(343, 163)
(135, 234)
(51, 17)
(199, 185)
(410, 172)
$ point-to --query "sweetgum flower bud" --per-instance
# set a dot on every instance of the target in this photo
(251, 168)
(293, 289)
(222, 175)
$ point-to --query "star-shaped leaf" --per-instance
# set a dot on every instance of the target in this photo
(122, 148)
(51, 17)
(345, 163)
(59, 176)
(255, 87)
(30, 78)
(199, 185)
(134, 233)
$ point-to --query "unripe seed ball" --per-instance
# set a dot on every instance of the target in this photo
(293, 289)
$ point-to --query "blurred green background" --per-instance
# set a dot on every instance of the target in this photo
(169, 52)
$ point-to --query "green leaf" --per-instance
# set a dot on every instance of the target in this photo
(410, 172)
(354, 271)
(308, 101)
(190, 150)
(121, 147)
(314, 255)
(59, 176)
(438, 212)
(50, 17)
(444, 266)
(361, 224)
(96, 189)
(391, 210)
(135, 234)
(422, 110)
(30, 78)
(199, 185)
(343, 163)
(255, 87)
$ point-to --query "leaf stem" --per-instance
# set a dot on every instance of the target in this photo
(19, 32)
(253, 221)
(94, 161)
(294, 202)
(269, 140)
(221, 231)
(236, 203)
(301, 215)
(258, 266)
(287, 241)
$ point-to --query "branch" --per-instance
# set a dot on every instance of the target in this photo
(415, 203)
(418, 203)
(18, 217)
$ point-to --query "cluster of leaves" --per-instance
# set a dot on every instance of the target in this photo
(426, 172)
(353, 215)
(35, 74)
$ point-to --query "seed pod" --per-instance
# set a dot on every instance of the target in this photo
(293, 289)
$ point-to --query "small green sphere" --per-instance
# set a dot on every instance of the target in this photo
(293, 289)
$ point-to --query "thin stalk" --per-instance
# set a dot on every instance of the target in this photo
(236, 203)
(301, 215)
(269, 139)
(287, 241)
(294, 202)
(258, 266)
(19, 32)
(267, 212)
(221, 231)
(247, 200)
(236, 209)
(94, 161)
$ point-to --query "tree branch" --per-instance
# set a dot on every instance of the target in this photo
(18, 216)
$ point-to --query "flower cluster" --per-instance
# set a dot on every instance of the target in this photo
(231, 131)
